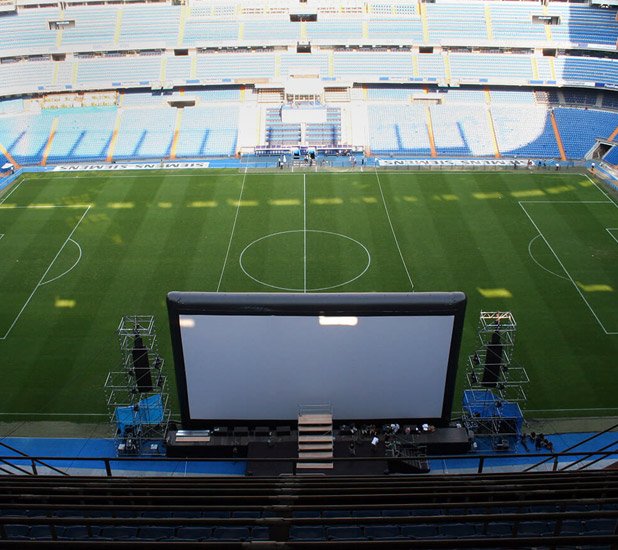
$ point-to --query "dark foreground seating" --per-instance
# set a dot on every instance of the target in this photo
(557, 509)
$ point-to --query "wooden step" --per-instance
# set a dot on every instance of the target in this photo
(315, 438)
(315, 447)
(315, 419)
(315, 465)
(312, 428)
(318, 454)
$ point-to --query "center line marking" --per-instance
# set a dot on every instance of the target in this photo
(305, 233)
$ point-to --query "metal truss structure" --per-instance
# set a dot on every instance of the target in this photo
(138, 415)
(495, 394)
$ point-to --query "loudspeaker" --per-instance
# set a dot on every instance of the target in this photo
(141, 366)
(493, 361)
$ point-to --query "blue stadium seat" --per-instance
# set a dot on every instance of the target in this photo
(153, 532)
(197, 533)
(68, 513)
(24, 532)
(382, 532)
(17, 512)
(366, 513)
(118, 533)
(231, 533)
(458, 530)
(336, 514)
(306, 514)
(509, 510)
(345, 532)
(535, 528)
(541, 508)
(427, 512)
(40, 532)
(215, 514)
(307, 532)
(75, 532)
(395, 513)
(259, 533)
(246, 514)
(499, 529)
(187, 514)
(418, 531)
(601, 526)
(17, 532)
(571, 527)
(156, 514)
(115, 513)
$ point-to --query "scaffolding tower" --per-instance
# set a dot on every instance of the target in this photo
(137, 395)
(495, 394)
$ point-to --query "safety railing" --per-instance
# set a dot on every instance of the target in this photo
(466, 463)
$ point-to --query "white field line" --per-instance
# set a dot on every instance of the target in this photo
(565, 270)
(304, 233)
(200, 174)
(45, 274)
(609, 199)
(45, 206)
(564, 202)
(388, 216)
(229, 244)
(49, 414)
(12, 190)
(79, 257)
(538, 263)
(458, 412)
(609, 230)
(97, 175)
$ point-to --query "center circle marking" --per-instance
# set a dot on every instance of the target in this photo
(363, 247)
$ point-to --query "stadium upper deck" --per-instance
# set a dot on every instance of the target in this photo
(251, 53)
(143, 45)
(210, 23)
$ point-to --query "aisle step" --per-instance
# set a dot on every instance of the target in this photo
(315, 419)
(315, 465)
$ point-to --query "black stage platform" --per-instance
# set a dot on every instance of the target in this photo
(250, 447)
(378, 465)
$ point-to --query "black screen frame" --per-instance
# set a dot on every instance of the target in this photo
(314, 304)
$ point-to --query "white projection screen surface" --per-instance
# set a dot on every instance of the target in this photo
(242, 366)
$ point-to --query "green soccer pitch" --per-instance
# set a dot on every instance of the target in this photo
(80, 250)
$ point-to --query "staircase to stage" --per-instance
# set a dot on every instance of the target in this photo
(315, 438)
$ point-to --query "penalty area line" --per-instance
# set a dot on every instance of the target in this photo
(40, 283)
(565, 270)
(13, 189)
(229, 244)
(390, 223)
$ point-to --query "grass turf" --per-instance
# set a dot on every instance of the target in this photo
(542, 245)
